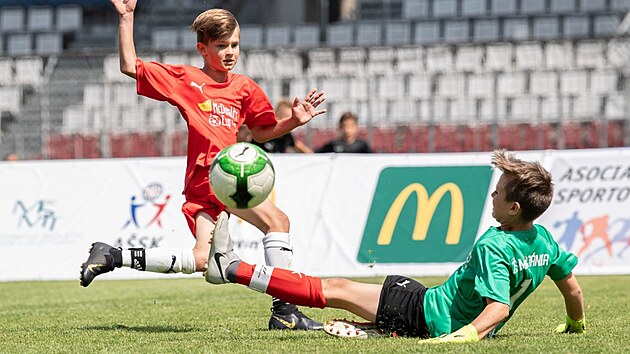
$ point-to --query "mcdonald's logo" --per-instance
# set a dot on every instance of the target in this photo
(424, 214)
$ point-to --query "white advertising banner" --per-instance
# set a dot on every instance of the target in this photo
(351, 215)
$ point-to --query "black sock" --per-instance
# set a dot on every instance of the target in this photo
(117, 256)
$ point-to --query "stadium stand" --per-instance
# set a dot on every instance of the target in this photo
(423, 75)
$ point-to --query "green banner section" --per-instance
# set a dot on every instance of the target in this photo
(424, 214)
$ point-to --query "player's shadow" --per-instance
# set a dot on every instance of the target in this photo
(142, 329)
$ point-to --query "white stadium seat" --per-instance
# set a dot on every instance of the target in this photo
(511, 84)
(499, 56)
(559, 55)
(481, 86)
(165, 39)
(604, 82)
(40, 18)
(288, 64)
(6, 71)
(451, 85)
(391, 86)
(29, 70)
(278, 36)
(420, 86)
(615, 107)
(529, 56)
(10, 99)
(93, 95)
(590, 54)
(469, 58)
(543, 83)
(439, 59)
(409, 59)
(573, 82)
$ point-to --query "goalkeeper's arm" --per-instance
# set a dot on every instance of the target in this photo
(574, 304)
(492, 315)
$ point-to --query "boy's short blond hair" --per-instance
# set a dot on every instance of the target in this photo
(214, 24)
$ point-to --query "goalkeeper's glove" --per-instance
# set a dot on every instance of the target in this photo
(466, 334)
(571, 326)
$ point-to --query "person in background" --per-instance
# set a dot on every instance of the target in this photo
(281, 144)
(348, 141)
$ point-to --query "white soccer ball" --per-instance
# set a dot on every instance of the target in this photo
(242, 176)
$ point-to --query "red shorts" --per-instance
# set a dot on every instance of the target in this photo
(199, 197)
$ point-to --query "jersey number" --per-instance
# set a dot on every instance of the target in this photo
(524, 285)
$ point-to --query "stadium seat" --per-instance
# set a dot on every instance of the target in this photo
(6, 71)
(380, 60)
(616, 133)
(508, 137)
(427, 32)
(573, 82)
(562, 6)
(469, 58)
(19, 44)
(404, 111)
(456, 31)
(477, 137)
(412, 9)
(187, 39)
(176, 58)
(93, 95)
(453, 85)
(529, 56)
(485, 30)
(323, 136)
(515, 29)
(39, 18)
(306, 36)
(391, 86)
(439, 59)
(605, 25)
(124, 94)
(409, 59)
(369, 33)
(533, 7)
(384, 140)
(511, 84)
(278, 36)
(420, 86)
(144, 145)
(260, 64)
(595, 6)
(473, 8)
(575, 27)
(251, 37)
(590, 54)
(619, 5)
(523, 109)
(615, 107)
(68, 18)
(415, 138)
(618, 53)
(546, 28)
(321, 62)
(552, 110)
(29, 70)
(164, 39)
(11, 19)
(587, 107)
(604, 82)
(351, 61)
(288, 64)
(397, 33)
(10, 99)
(74, 119)
(340, 35)
(299, 87)
(335, 87)
(503, 7)
(446, 138)
(444, 8)
(358, 88)
(48, 43)
(559, 55)
(499, 56)
(481, 86)
(543, 83)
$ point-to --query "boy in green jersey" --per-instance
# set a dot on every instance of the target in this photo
(506, 264)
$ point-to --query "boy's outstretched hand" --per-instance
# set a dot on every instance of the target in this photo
(124, 6)
(305, 110)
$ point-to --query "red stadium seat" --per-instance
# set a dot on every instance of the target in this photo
(415, 139)
(322, 136)
(179, 143)
(616, 133)
(384, 139)
(477, 138)
(446, 139)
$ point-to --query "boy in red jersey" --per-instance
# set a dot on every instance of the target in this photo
(506, 264)
(215, 103)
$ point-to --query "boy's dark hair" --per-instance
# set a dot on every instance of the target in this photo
(348, 116)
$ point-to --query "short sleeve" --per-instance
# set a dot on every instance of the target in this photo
(492, 276)
(258, 110)
(156, 80)
(562, 264)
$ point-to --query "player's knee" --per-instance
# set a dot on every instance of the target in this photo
(279, 222)
(333, 288)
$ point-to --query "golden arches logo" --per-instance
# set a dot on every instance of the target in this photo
(424, 213)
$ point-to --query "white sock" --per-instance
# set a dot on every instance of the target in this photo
(278, 251)
(160, 260)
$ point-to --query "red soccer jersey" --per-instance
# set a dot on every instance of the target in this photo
(213, 111)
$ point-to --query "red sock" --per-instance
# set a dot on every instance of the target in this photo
(292, 287)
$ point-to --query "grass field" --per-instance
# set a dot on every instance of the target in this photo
(183, 315)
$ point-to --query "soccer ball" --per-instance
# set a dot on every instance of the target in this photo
(242, 176)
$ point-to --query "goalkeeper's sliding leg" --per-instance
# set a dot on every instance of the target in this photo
(389, 306)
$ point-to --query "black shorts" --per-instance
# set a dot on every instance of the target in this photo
(400, 308)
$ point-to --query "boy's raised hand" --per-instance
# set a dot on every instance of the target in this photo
(305, 110)
(124, 6)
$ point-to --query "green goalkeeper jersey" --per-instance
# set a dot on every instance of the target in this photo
(505, 266)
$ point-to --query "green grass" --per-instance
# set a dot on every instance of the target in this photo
(183, 315)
